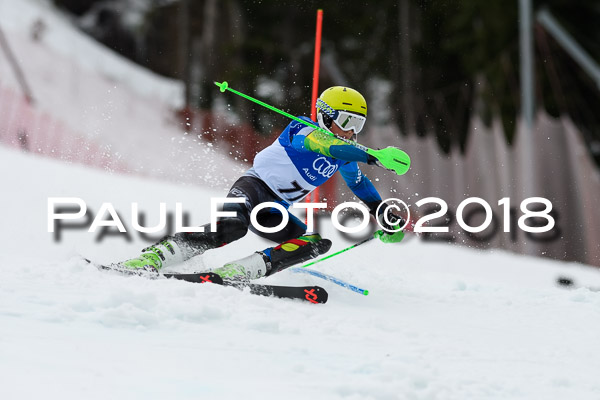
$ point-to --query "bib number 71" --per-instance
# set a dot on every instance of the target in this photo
(296, 188)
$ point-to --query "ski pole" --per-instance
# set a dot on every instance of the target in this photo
(339, 252)
(330, 278)
(390, 158)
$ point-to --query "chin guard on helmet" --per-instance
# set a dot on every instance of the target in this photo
(324, 120)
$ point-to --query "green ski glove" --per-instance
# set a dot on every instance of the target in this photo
(390, 158)
(391, 237)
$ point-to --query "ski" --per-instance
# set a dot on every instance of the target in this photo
(146, 273)
(197, 277)
(329, 278)
(311, 294)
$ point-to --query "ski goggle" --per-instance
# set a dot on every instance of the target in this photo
(347, 121)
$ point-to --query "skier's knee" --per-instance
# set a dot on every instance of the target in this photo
(195, 243)
(231, 229)
(241, 212)
(227, 230)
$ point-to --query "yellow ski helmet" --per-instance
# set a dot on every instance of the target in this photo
(344, 106)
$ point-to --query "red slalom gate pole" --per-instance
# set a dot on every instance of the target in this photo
(315, 87)
(314, 196)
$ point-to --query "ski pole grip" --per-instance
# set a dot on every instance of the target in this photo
(392, 158)
(222, 86)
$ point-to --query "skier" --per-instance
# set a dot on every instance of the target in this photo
(300, 160)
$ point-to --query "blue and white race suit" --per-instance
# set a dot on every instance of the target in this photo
(292, 172)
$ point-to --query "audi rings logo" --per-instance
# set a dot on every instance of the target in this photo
(324, 167)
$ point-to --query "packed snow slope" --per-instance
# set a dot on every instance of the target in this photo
(86, 89)
(440, 322)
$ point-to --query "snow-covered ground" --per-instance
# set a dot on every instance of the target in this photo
(440, 322)
(87, 89)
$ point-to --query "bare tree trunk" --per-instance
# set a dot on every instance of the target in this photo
(184, 48)
(197, 73)
(405, 66)
(203, 60)
(238, 34)
(12, 60)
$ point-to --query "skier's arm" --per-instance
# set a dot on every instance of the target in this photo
(361, 186)
(331, 147)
